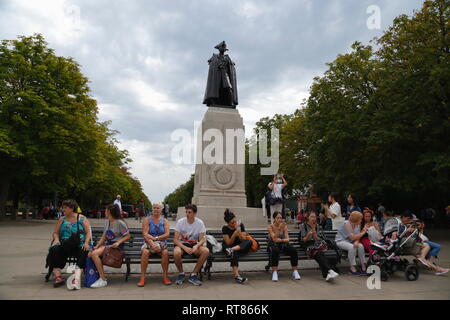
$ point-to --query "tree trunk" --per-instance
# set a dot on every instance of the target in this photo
(5, 183)
(15, 205)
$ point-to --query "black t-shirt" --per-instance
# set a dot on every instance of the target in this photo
(229, 232)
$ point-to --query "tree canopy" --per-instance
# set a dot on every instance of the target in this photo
(50, 138)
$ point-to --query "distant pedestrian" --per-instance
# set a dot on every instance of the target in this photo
(333, 211)
(277, 186)
(117, 201)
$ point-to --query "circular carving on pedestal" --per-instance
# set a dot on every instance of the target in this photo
(222, 177)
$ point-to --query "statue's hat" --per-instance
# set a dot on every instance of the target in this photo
(221, 45)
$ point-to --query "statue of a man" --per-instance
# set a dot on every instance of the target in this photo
(221, 89)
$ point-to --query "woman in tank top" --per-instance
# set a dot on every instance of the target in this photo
(155, 230)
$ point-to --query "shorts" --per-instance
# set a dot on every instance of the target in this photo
(162, 245)
(189, 245)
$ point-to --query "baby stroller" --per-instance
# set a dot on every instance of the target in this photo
(387, 255)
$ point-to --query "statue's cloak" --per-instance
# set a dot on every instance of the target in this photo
(217, 79)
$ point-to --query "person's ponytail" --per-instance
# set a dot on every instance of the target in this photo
(228, 215)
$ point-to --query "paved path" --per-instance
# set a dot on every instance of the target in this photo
(25, 243)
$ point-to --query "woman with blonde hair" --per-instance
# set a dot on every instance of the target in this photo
(348, 238)
(155, 230)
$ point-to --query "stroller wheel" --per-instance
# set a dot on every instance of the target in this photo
(412, 272)
(267, 267)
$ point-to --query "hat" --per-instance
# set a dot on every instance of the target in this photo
(221, 45)
(118, 196)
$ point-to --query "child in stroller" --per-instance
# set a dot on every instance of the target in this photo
(400, 237)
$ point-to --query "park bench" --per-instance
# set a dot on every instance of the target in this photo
(263, 254)
(132, 249)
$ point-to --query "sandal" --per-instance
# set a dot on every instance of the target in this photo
(141, 283)
(167, 281)
(59, 281)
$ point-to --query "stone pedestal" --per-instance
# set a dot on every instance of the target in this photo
(220, 170)
(219, 182)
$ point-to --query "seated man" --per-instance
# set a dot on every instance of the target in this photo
(189, 238)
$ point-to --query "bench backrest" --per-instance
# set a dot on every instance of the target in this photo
(260, 235)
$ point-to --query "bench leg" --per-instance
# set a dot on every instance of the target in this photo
(208, 267)
(128, 271)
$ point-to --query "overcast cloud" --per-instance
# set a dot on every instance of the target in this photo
(147, 60)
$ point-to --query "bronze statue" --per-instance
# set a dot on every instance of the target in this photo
(221, 89)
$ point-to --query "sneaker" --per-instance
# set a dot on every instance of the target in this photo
(195, 280)
(180, 278)
(100, 283)
(275, 276)
(296, 275)
(229, 252)
(444, 271)
(240, 279)
(331, 275)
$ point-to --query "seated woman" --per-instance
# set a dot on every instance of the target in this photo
(431, 249)
(155, 230)
(115, 233)
(309, 239)
(71, 238)
(348, 238)
(235, 242)
(279, 243)
(373, 230)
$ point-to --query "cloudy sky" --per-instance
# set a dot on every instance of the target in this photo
(147, 60)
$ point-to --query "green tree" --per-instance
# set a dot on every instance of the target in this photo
(182, 195)
(50, 139)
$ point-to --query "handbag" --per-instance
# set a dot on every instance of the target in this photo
(319, 246)
(255, 244)
(113, 257)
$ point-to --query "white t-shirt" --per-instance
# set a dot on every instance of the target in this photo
(190, 231)
(118, 203)
(335, 208)
(277, 190)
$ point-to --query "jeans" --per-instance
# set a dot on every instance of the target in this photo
(323, 262)
(245, 248)
(277, 248)
(353, 252)
(434, 249)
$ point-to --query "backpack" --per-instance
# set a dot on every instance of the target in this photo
(255, 244)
